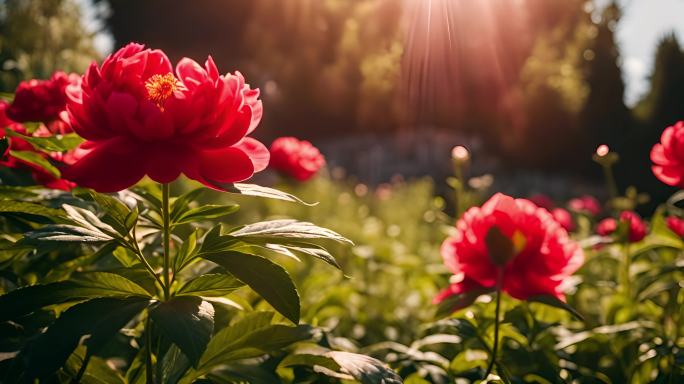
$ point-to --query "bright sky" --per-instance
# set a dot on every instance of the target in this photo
(643, 24)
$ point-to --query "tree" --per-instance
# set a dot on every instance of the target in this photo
(38, 37)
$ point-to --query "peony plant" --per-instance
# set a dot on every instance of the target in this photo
(158, 274)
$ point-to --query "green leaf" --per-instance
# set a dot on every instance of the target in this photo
(14, 206)
(180, 204)
(97, 371)
(205, 212)
(126, 257)
(100, 318)
(186, 253)
(66, 233)
(217, 284)
(455, 302)
(56, 143)
(116, 212)
(363, 368)
(188, 322)
(88, 220)
(304, 249)
(287, 228)
(251, 336)
(557, 303)
(84, 286)
(111, 283)
(269, 280)
(37, 160)
(259, 191)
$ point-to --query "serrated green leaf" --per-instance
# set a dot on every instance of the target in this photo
(37, 160)
(269, 280)
(212, 285)
(188, 321)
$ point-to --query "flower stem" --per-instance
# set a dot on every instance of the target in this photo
(166, 239)
(495, 347)
(149, 372)
(625, 270)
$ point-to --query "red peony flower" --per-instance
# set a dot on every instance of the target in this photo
(539, 255)
(668, 156)
(676, 225)
(296, 158)
(564, 218)
(39, 174)
(41, 100)
(636, 228)
(585, 204)
(606, 226)
(139, 118)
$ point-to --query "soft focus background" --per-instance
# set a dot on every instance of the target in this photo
(387, 87)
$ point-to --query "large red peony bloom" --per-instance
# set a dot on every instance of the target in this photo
(668, 156)
(298, 159)
(42, 100)
(542, 254)
(139, 118)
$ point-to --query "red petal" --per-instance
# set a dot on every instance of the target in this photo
(256, 151)
(109, 167)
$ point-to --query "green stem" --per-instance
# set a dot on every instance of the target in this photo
(149, 372)
(610, 181)
(458, 171)
(138, 253)
(495, 347)
(166, 239)
(626, 283)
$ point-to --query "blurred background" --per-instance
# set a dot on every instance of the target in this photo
(387, 87)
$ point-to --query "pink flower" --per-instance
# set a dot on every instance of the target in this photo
(585, 204)
(668, 156)
(676, 225)
(140, 117)
(539, 254)
(298, 159)
(564, 218)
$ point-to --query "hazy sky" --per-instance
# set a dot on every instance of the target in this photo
(644, 23)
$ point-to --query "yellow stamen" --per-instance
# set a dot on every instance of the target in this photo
(160, 88)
